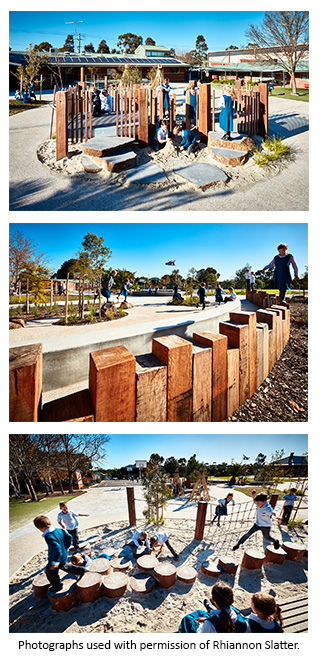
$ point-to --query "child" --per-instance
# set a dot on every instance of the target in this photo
(58, 541)
(247, 278)
(282, 276)
(192, 100)
(221, 509)
(96, 102)
(106, 290)
(124, 290)
(221, 616)
(165, 88)
(232, 295)
(162, 136)
(266, 614)
(219, 293)
(263, 520)
(188, 141)
(252, 281)
(138, 539)
(82, 560)
(226, 115)
(17, 96)
(202, 295)
(68, 520)
(288, 506)
(162, 539)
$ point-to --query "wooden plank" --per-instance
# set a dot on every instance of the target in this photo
(267, 316)
(188, 108)
(61, 125)
(143, 117)
(219, 346)
(262, 352)
(233, 396)
(25, 383)
(263, 109)
(151, 389)
(250, 319)
(76, 407)
(238, 337)
(285, 312)
(176, 353)
(204, 111)
(279, 337)
(112, 383)
(201, 383)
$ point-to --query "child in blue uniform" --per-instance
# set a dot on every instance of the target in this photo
(221, 616)
(288, 506)
(226, 115)
(266, 614)
(188, 139)
(165, 88)
(192, 100)
(282, 276)
(219, 293)
(221, 509)
(124, 290)
(162, 136)
(58, 541)
(202, 295)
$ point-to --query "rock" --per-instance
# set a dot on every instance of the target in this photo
(105, 145)
(90, 166)
(229, 157)
(123, 159)
(147, 173)
(240, 142)
(126, 305)
(107, 308)
(16, 323)
(201, 174)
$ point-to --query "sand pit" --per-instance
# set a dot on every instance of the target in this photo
(161, 610)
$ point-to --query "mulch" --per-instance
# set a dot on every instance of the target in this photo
(283, 396)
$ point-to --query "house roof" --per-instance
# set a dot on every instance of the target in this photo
(254, 67)
(98, 59)
(295, 460)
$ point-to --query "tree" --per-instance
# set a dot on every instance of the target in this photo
(303, 281)
(103, 47)
(68, 266)
(156, 492)
(259, 464)
(150, 42)
(68, 45)
(97, 255)
(176, 278)
(199, 54)
(89, 48)
(289, 31)
(28, 72)
(128, 42)
(239, 280)
(231, 48)
(23, 253)
(34, 277)
(191, 280)
(170, 465)
(81, 451)
(128, 74)
(208, 275)
(122, 275)
(24, 459)
(43, 46)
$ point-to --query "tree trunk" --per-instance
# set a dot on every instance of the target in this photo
(293, 83)
(15, 486)
(99, 296)
(30, 489)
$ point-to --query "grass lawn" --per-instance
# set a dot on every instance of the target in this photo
(16, 106)
(286, 93)
(21, 513)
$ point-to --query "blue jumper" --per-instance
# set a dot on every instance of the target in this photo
(187, 138)
(58, 542)
(226, 115)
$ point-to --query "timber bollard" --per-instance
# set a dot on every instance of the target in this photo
(201, 383)
(219, 345)
(131, 506)
(112, 384)
(176, 353)
(200, 520)
(238, 338)
(249, 318)
(25, 383)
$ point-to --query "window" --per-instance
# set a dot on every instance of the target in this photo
(174, 70)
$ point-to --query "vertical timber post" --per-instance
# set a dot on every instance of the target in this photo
(131, 506)
(263, 110)
(200, 520)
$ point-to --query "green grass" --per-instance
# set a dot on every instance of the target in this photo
(286, 93)
(21, 513)
(272, 150)
(16, 106)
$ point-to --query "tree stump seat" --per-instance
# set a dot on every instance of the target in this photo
(186, 574)
(89, 587)
(142, 583)
(275, 556)
(121, 565)
(140, 551)
(100, 565)
(165, 574)
(66, 598)
(295, 551)
(228, 565)
(114, 585)
(40, 585)
(147, 563)
(211, 568)
(252, 559)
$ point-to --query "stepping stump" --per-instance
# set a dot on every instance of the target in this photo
(89, 587)
(147, 563)
(142, 583)
(101, 566)
(295, 551)
(140, 551)
(252, 559)
(186, 574)
(228, 565)
(275, 556)
(40, 585)
(66, 598)
(165, 574)
(211, 568)
(114, 585)
(121, 565)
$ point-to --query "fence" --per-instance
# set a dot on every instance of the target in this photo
(180, 381)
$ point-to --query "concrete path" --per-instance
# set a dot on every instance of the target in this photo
(34, 187)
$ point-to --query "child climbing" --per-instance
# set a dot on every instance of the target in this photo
(282, 276)
(226, 114)
(221, 508)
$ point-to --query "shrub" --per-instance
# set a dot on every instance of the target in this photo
(91, 312)
(72, 314)
(271, 151)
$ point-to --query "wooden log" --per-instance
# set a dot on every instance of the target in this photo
(275, 556)
(114, 585)
(61, 124)
(204, 111)
(278, 331)
(186, 574)
(147, 563)
(66, 598)
(151, 389)
(131, 506)
(165, 574)
(262, 352)
(89, 587)
(176, 353)
(121, 565)
(263, 110)
(25, 383)
(112, 379)
(211, 568)
(219, 345)
(228, 565)
(40, 585)
(252, 559)
(143, 117)
(200, 520)
(201, 383)
(142, 583)
(101, 566)
(269, 317)
(295, 551)
(140, 551)
(238, 337)
(285, 312)
(76, 407)
(249, 318)
(233, 396)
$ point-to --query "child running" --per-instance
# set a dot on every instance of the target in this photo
(221, 616)
(68, 520)
(58, 541)
(202, 295)
(266, 614)
(221, 509)
(162, 539)
(263, 521)
(282, 276)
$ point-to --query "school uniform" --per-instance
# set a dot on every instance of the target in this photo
(252, 282)
(137, 541)
(202, 296)
(212, 623)
(70, 522)
(161, 137)
(231, 297)
(106, 290)
(58, 542)
(163, 539)
(247, 278)
(188, 141)
(219, 293)
(221, 508)
(257, 625)
(226, 113)
(192, 104)
(124, 292)
(166, 100)
(282, 277)
(262, 523)
(288, 506)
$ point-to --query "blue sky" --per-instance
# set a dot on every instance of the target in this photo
(177, 30)
(124, 449)
(144, 248)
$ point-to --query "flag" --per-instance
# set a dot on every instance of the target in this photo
(245, 458)
(170, 263)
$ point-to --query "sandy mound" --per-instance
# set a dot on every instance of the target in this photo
(161, 610)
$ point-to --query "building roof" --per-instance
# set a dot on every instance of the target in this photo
(295, 460)
(98, 59)
(250, 51)
(254, 67)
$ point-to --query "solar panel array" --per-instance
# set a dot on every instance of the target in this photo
(93, 59)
